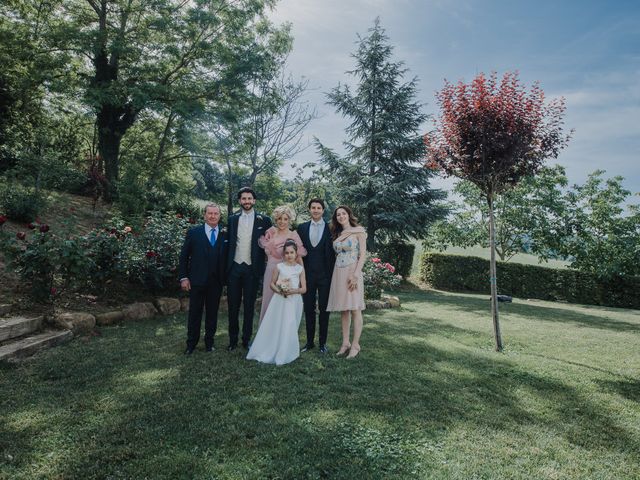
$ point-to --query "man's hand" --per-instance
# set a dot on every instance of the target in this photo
(185, 284)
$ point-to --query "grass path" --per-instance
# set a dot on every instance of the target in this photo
(427, 398)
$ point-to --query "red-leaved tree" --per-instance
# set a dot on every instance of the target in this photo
(494, 134)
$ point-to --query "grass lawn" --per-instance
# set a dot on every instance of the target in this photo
(427, 398)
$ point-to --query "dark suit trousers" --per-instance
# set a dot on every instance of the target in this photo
(242, 285)
(207, 298)
(319, 286)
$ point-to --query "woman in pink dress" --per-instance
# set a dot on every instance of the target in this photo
(272, 241)
(346, 294)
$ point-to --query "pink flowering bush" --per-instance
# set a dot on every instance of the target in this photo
(378, 276)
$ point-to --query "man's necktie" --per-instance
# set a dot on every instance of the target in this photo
(213, 237)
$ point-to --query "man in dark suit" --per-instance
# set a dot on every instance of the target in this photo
(202, 273)
(318, 265)
(245, 265)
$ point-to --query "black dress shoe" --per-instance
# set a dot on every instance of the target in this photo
(323, 349)
(307, 347)
(188, 351)
(231, 348)
(210, 349)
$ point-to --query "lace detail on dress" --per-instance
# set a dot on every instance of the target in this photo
(347, 251)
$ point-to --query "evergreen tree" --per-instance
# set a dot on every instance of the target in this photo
(381, 176)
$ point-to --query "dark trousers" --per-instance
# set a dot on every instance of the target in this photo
(319, 286)
(242, 286)
(207, 297)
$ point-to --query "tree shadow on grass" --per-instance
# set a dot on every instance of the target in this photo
(127, 404)
(629, 389)
(481, 305)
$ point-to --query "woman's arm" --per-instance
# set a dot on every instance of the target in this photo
(352, 281)
(274, 281)
(301, 250)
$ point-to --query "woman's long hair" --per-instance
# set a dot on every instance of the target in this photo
(335, 227)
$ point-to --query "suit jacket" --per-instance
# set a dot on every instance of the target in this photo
(199, 261)
(325, 246)
(261, 224)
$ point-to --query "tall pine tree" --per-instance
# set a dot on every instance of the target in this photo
(382, 176)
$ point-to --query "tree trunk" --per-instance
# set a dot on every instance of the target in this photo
(109, 148)
(493, 276)
(229, 187)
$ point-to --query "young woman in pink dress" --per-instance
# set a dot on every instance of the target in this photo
(272, 242)
(347, 286)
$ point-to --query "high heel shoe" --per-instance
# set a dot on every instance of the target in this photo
(343, 349)
(353, 352)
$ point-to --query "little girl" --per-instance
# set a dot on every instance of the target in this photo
(277, 337)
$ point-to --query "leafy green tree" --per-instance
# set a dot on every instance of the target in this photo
(381, 176)
(530, 218)
(210, 180)
(129, 57)
(603, 234)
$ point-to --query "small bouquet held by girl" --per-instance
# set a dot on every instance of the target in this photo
(283, 287)
(277, 337)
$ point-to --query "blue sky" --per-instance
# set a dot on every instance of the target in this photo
(586, 51)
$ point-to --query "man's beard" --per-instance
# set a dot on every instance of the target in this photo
(246, 207)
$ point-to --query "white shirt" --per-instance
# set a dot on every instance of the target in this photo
(245, 232)
(315, 232)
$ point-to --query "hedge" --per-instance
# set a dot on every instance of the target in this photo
(462, 273)
(398, 254)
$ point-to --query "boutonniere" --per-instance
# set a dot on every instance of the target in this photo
(223, 230)
(259, 217)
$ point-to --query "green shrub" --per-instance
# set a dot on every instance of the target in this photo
(66, 178)
(19, 203)
(399, 254)
(34, 256)
(462, 273)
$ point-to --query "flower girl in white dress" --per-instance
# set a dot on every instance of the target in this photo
(277, 337)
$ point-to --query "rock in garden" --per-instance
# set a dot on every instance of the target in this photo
(393, 301)
(378, 304)
(109, 318)
(184, 304)
(167, 306)
(5, 308)
(140, 310)
(78, 322)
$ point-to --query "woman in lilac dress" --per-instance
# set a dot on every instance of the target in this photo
(346, 294)
(272, 241)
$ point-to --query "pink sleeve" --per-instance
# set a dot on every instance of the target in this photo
(301, 250)
(263, 241)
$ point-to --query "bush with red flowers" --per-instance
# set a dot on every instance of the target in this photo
(47, 259)
(151, 257)
(378, 276)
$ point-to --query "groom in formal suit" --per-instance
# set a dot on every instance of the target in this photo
(318, 265)
(245, 265)
(202, 273)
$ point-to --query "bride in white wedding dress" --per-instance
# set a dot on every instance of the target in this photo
(277, 337)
